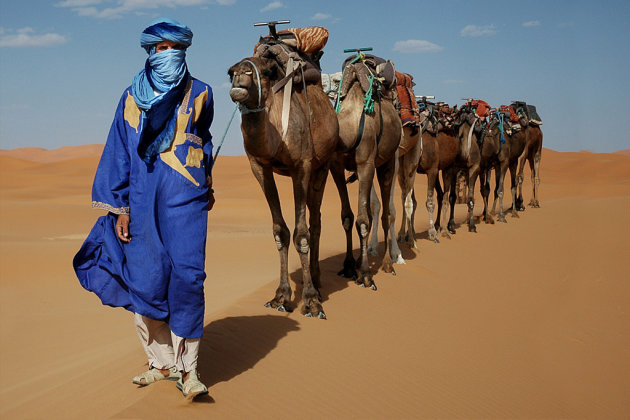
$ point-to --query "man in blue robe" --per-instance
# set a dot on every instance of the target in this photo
(147, 254)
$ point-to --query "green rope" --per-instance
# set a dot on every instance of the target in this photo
(358, 57)
(368, 99)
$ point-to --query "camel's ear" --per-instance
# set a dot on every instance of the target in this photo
(271, 71)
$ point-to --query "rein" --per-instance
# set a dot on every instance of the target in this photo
(243, 108)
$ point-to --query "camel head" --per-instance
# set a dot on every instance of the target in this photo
(251, 79)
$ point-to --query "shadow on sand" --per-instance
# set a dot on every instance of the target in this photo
(233, 345)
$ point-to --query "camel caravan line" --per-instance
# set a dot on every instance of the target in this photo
(367, 120)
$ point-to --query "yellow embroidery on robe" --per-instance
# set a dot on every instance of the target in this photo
(168, 156)
(194, 157)
(198, 104)
(132, 112)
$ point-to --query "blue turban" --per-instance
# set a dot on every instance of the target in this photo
(158, 89)
(165, 29)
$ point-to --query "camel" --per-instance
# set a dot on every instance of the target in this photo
(423, 158)
(302, 153)
(494, 154)
(370, 132)
(532, 152)
(468, 132)
(409, 152)
(516, 138)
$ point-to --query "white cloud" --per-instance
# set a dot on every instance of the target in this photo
(272, 6)
(531, 23)
(121, 7)
(26, 37)
(78, 3)
(475, 31)
(415, 46)
(321, 16)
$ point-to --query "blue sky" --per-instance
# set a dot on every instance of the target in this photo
(64, 64)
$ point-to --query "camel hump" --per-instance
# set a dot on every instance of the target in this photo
(302, 44)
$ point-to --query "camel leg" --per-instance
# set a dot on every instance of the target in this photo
(484, 186)
(365, 173)
(440, 197)
(385, 174)
(375, 206)
(449, 197)
(521, 169)
(302, 238)
(473, 173)
(281, 234)
(406, 178)
(513, 189)
(347, 218)
(312, 303)
(535, 168)
(431, 181)
(500, 171)
(396, 254)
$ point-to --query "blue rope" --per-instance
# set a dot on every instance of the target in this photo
(501, 116)
(216, 155)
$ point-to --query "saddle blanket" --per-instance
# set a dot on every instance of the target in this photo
(409, 112)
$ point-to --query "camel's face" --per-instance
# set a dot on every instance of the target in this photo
(242, 78)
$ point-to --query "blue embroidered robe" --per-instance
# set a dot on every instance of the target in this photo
(160, 273)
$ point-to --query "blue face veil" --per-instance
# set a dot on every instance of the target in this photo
(159, 88)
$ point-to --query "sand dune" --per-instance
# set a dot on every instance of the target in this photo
(527, 319)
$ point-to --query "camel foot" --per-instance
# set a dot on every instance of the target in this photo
(501, 219)
(367, 282)
(432, 235)
(445, 235)
(515, 214)
(313, 309)
(451, 228)
(472, 228)
(280, 307)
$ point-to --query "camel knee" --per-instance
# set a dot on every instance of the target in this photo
(301, 242)
(281, 236)
(346, 222)
(363, 229)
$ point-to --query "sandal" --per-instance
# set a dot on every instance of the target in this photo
(193, 386)
(154, 375)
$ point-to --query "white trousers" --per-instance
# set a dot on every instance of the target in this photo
(164, 348)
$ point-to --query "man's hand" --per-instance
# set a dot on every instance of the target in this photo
(122, 228)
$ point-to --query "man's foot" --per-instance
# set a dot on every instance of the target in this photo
(154, 375)
(191, 386)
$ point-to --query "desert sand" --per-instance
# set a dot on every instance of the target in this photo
(529, 319)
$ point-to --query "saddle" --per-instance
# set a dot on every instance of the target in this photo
(482, 109)
(366, 70)
(303, 45)
(408, 108)
(528, 110)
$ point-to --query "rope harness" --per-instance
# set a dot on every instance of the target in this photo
(368, 100)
